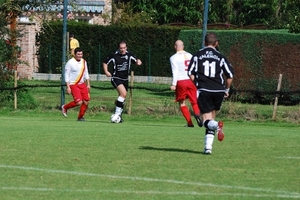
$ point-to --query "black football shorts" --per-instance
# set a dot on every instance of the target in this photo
(116, 82)
(209, 101)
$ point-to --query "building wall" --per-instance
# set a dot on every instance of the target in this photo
(27, 41)
(28, 54)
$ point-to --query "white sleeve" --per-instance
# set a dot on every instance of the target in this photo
(174, 70)
(86, 71)
(67, 72)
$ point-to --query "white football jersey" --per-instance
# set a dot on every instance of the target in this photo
(179, 63)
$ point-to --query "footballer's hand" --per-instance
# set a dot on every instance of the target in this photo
(108, 74)
(68, 90)
(138, 62)
(226, 92)
(173, 87)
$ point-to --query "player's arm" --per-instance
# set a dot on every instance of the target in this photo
(227, 86)
(174, 68)
(192, 77)
(87, 77)
(191, 68)
(228, 73)
(67, 77)
(105, 66)
(88, 85)
(136, 60)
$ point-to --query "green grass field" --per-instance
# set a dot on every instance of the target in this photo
(47, 156)
(150, 156)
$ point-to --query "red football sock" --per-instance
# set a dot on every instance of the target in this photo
(196, 109)
(72, 104)
(82, 110)
(186, 113)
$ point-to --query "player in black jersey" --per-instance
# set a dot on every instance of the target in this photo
(121, 60)
(212, 74)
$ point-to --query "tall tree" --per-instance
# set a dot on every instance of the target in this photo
(167, 11)
(275, 13)
(11, 10)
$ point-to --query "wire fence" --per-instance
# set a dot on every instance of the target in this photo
(232, 92)
(254, 96)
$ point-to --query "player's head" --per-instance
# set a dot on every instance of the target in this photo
(122, 47)
(78, 53)
(71, 35)
(211, 40)
(179, 46)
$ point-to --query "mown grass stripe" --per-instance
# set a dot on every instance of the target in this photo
(151, 192)
(150, 179)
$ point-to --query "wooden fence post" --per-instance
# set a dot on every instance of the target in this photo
(15, 90)
(130, 92)
(276, 98)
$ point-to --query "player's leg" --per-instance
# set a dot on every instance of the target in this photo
(213, 102)
(84, 106)
(122, 91)
(181, 94)
(186, 113)
(211, 126)
(192, 96)
(209, 120)
(218, 100)
(121, 87)
(205, 102)
(76, 100)
(209, 132)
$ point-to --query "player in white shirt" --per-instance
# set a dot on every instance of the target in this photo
(78, 84)
(182, 84)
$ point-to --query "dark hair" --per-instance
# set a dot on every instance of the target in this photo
(123, 42)
(77, 49)
(71, 35)
(210, 39)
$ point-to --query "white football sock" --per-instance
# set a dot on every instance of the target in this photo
(209, 139)
(118, 111)
(121, 99)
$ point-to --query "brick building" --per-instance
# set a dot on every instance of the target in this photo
(93, 13)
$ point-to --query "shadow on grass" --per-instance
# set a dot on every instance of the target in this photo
(170, 149)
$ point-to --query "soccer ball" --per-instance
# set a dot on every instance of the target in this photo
(115, 118)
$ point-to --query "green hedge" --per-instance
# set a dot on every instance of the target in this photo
(258, 56)
(153, 44)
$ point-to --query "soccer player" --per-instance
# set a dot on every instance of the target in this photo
(182, 84)
(78, 84)
(121, 60)
(73, 43)
(213, 75)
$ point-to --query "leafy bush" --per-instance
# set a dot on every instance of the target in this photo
(25, 99)
(295, 26)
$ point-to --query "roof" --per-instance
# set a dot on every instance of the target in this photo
(82, 6)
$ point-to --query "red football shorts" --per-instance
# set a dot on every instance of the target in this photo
(186, 89)
(80, 92)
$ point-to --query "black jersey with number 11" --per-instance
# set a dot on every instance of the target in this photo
(209, 67)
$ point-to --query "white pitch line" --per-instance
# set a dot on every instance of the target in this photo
(152, 192)
(148, 179)
(288, 157)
